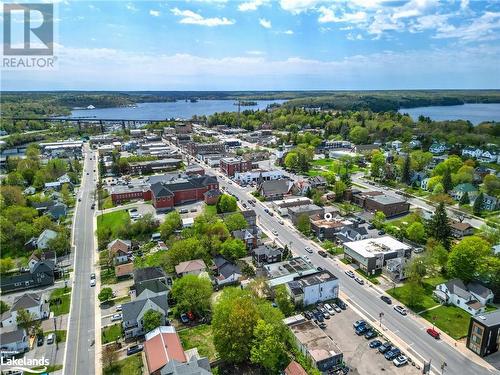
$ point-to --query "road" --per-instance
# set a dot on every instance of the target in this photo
(80, 354)
(367, 299)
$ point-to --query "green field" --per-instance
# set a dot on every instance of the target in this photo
(64, 294)
(60, 335)
(199, 337)
(150, 260)
(129, 366)
(402, 294)
(450, 319)
(113, 220)
(111, 333)
(211, 209)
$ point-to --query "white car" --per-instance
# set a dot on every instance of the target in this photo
(275, 232)
(400, 361)
(359, 280)
(400, 309)
(92, 282)
(308, 249)
(119, 308)
(336, 308)
(350, 274)
(116, 317)
(329, 309)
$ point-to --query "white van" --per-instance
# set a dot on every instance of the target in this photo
(51, 338)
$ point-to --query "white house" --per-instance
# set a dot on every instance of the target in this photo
(258, 174)
(133, 312)
(32, 302)
(396, 145)
(415, 143)
(44, 238)
(438, 148)
(314, 288)
(15, 342)
(471, 298)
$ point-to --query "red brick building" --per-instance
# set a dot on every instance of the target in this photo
(230, 166)
(121, 194)
(212, 196)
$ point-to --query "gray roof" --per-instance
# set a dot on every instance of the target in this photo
(12, 336)
(386, 199)
(275, 187)
(193, 367)
(26, 301)
(478, 289)
(267, 250)
(489, 319)
(148, 273)
(155, 286)
(225, 267)
(131, 310)
(304, 208)
(457, 286)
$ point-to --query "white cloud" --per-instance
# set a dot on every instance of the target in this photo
(328, 15)
(288, 32)
(191, 18)
(154, 13)
(131, 7)
(251, 5)
(351, 36)
(255, 53)
(485, 27)
(265, 23)
(299, 6)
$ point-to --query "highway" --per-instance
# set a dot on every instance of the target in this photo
(367, 299)
(80, 355)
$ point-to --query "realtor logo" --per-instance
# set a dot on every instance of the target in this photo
(37, 30)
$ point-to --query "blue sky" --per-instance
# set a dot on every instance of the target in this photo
(271, 45)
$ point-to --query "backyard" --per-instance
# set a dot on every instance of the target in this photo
(402, 294)
(199, 337)
(111, 333)
(128, 366)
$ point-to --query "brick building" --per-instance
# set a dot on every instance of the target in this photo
(195, 148)
(231, 166)
(378, 201)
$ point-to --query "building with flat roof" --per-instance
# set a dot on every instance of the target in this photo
(258, 175)
(231, 166)
(288, 270)
(372, 253)
(310, 289)
(484, 333)
(379, 201)
(309, 210)
(282, 206)
(314, 343)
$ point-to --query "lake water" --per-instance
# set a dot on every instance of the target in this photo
(166, 110)
(475, 113)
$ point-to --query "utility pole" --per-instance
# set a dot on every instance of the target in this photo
(380, 315)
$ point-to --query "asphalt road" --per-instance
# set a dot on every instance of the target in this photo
(367, 299)
(80, 354)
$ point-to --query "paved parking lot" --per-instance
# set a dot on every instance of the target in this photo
(357, 354)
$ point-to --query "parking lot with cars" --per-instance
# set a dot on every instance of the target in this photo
(360, 342)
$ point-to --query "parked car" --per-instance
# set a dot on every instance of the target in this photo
(92, 206)
(371, 226)
(319, 317)
(400, 309)
(308, 315)
(433, 333)
(308, 249)
(330, 309)
(418, 250)
(359, 280)
(350, 274)
(341, 304)
(134, 349)
(336, 308)
(322, 253)
(322, 325)
(281, 221)
(358, 323)
(385, 347)
(183, 211)
(92, 282)
(375, 344)
(275, 232)
(92, 276)
(381, 232)
(51, 338)
(116, 317)
(386, 299)
(319, 268)
(370, 334)
(391, 354)
(184, 318)
(361, 330)
(119, 308)
(400, 361)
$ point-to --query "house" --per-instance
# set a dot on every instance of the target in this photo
(459, 190)
(187, 222)
(308, 210)
(249, 236)
(315, 344)
(226, 272)
(437, 148)
(190, 267)
(395, 269)
(287, 270)
(31, 302)
(372, 254)
(147, 276)
(275, 189)
(415, 143)
(165, 356)
(57, 210)
(294, 368)
(311, 289)
(424, 183)
(37, 257)
(212, 196)
(352, 233)
(40, 275)
(124, 270)
(397, 145)
(156, 286)
(471, 298)
(265, 254)
(484, 331)
(318, 182)
(282, 206)
(43, 239)
(14, 342)
(119, 249)
(327, 229)
(30, 190)
(133, 312)
(490, 203)
(461, 229)
(416, 178)
(231, 166)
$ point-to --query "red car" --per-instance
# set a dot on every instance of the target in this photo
(433, 333)
(190, 315)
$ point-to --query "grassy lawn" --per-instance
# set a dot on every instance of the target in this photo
(150, 260)
(345, 261)
(62, 307)
(211, 209)
(111, 333)
(113, 220)
(199, 337)
(108, 276)
(450, 319)
(129, 366)
(60, 335)
(372, 278)
(402, 293)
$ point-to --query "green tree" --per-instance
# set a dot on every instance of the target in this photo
(417, 269)
(406, 172)
(478, 204)
(291, 161)
(105, 294)
(233, 248)
(283, 300)
(192, 293)
(438, 255)
(269, 348)
(420, 160)
(359, 135)
(339, 189)
(439, 226)
(60, 244)
(6, 264)
(447, 183)
(464, 200)
(152, 319)
(377, 164)
(235, 222)
(226, 203)
(416, 232)
(4, 307)
(491, 184)
(304, 224)
(378, 219)
(171, 223)
(466, 256)
(415, 294)
(28, 321)
(12, 195)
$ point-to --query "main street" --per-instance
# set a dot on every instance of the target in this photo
(367, 299)
(80, 354)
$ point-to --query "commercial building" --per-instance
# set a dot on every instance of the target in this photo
(371, 254)
(231, 166)
(378, 201)
(194, 148)
(308, 210)
(484, 333)
(257, 176)
(315, 344)
(310, 289)
(288, 270)
(161, 165)
(282, 206)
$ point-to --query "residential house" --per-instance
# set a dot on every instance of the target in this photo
(438, 148)
(275, 189)
(490, 203)
(58, 210)
(14, 342)
(424, 183)
(459, 190)
(212, 196)
(190, 267)
(124, 270)
(165, 356)
(308, 210)
(415, 143)
(119, 249)
(156, 286)
(318, 182)
(249, 236)
(226, 272)
(40, 275)
(352, 233)
(461, 229)
(37, 257)
(395, 269)
(484, 333)
(43, 239)
(294, 368)
(31, 302)
(133, 312)
(265, 254)
(282, 206)
(397, 145)
(310, 289)
(471, 298)
(327, 229)
(144, 277)
(287, 270)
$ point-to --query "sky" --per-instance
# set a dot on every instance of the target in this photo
(270, 45)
